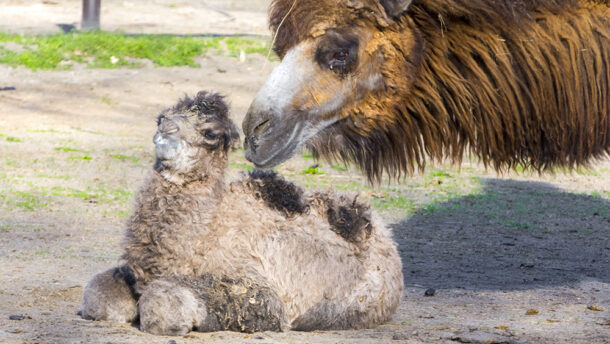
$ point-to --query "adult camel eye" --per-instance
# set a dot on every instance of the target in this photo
(341, 55)
(338, 62)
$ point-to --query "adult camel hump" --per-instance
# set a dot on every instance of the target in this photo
(390, 84)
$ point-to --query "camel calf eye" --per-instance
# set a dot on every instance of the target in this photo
(210, 135)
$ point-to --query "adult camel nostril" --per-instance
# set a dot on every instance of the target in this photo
(262, 127)
(257, 121)
(254, 132)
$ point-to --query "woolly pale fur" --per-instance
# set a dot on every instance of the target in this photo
(513, 82)
(255, 254)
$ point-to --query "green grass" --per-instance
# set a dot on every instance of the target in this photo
(82, 157)
(440, 174)
(100, 49)
(68, 192)
(13, 139)
(307, 155)
(241, 166)
(68, 149)
(340, 168)
(43, 131)
(108, 101)
(396, 203)
(54, 176)
(29, 201)
(232, 46)
(125, 158)
(314, 170)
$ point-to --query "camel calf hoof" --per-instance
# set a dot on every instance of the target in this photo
(109, 296)
(169, 309)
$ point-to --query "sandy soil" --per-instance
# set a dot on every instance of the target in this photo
(519, 243)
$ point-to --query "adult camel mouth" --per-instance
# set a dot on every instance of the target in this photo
(269, 145)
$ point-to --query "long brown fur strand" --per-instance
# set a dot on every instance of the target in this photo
(512, 82)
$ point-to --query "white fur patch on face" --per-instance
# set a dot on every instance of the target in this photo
(293, 78)
(286, 81)
(184, 157)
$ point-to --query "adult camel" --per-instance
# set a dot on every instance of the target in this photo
(390, 84)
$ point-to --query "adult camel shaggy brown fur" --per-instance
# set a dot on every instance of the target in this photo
(252, 255)
(390, 83)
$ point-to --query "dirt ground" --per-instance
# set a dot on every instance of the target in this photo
(517, 258)
(139, 16)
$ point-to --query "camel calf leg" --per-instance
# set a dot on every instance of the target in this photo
(179, 304)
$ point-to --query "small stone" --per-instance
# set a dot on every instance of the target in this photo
(14, 330)
(430, 292)
(400, 336)
(17, 317)
(171, 342)
(479, 337)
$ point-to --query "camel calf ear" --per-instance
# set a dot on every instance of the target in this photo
(394, 8)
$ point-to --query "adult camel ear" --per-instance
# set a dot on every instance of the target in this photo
(394, 8)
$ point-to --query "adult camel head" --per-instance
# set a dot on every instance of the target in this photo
(389, 83)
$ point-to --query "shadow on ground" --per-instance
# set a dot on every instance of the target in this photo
(513, 235)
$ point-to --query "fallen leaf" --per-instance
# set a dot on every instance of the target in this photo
(501, 327)
(594, 308)
(552, 320)
(532, 311)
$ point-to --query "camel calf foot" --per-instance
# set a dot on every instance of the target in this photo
(169, 309)
(110, 296)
